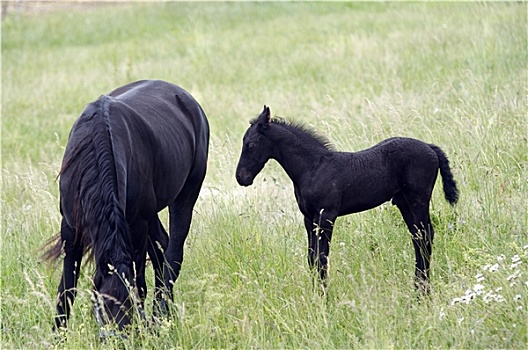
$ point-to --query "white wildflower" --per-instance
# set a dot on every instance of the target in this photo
(487, 298)
(456, 300)
(517, 297)
(465, 299)
(460, 320)
(478, 288)
(501, 257)
(498, 289)
(480, 277)
(515, 264)
(514, 275)
(499, 298)
(515, 258)
(486, 267)
(494, 268)
(442, 314)
(469, 296)
(519, 307)
(525, 247)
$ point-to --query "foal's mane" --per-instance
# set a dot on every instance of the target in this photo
(306, 130)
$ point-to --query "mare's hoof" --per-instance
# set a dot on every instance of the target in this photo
(104, 335)
(161, 309)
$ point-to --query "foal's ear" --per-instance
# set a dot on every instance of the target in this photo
(263, 119)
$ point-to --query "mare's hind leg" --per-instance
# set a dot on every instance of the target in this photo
(180, 216)
(67, 290)
(158, 241)
(416, 216)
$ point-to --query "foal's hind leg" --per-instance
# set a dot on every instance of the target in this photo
(156, 246)
(67, 290)
(416, 216)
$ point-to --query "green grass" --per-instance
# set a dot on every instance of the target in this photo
(451, 74)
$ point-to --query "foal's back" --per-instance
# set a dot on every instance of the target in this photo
(375, 175)
(394, 155)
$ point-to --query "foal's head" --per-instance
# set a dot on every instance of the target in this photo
(256, 149)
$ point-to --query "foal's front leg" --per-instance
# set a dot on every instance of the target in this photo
(312, 255)
(319, 230)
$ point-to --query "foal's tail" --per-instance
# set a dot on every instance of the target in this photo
(450, 187)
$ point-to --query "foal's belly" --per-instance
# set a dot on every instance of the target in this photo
(362, 198)
(362, 205)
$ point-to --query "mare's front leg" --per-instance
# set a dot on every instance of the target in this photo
(158, 241)
(139, 232)
(319, 230)
(67, 290)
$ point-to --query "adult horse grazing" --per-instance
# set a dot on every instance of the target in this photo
(130, 154)
(329, 184)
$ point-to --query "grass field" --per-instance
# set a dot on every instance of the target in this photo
(450, 74)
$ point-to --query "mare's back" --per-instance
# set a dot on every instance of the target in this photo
(164, 114)
(154, 99)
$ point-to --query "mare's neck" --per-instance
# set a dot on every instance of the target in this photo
(299, 154)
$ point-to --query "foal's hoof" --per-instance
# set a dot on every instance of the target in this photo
(59, 336)
(423, 288)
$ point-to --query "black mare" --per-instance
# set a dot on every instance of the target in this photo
(130, 154)
(329, 184)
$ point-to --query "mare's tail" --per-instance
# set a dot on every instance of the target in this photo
(450, 187)
(109, 232)
(90, 167)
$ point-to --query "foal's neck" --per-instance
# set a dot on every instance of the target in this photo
(296, 151)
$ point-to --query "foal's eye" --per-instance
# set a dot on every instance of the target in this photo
(250, 145)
